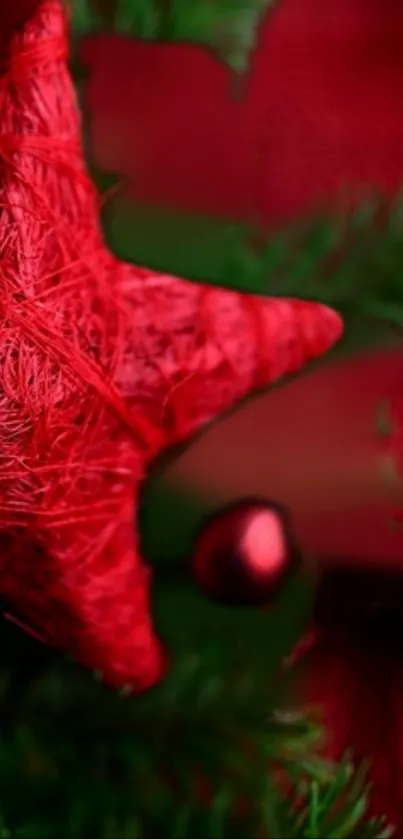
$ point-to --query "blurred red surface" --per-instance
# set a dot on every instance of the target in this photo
(321, 108)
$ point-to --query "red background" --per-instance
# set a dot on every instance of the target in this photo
(322, 107)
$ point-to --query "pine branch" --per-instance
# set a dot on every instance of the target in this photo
(353, 263)
(201, 755)
(120, 795)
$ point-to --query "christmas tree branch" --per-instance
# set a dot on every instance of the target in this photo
(352, 263)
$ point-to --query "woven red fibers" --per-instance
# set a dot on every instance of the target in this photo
(102, 365)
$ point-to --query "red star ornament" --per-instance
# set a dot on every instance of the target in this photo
(103, 366)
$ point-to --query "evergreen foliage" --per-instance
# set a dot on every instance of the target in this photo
(215, 750)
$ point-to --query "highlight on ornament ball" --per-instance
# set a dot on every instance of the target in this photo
(244, 553)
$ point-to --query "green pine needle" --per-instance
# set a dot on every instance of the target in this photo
(193, 757)
(354, 264)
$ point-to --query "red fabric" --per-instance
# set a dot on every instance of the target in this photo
(321, 109)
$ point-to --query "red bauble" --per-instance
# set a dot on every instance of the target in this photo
(244, 553)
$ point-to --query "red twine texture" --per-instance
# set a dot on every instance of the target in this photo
(102, 366)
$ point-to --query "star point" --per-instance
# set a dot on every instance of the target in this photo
(103, 365)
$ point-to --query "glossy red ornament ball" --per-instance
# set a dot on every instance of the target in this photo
(244, 553)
